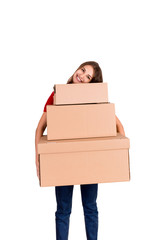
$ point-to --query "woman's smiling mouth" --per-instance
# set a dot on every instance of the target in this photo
(78, 79)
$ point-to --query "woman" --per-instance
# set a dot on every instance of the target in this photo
(87, 72)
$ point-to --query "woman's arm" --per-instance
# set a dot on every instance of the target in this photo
(39, 132)
(119, 127)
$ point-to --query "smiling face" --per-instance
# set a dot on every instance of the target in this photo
(84, 74)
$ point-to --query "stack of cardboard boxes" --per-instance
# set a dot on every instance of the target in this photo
(82, 145)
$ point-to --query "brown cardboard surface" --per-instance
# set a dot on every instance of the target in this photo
(81, 121)
(83, 144)
(80, 93)
(84, 161)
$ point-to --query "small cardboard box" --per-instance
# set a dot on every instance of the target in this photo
(81, 121)
(80, 93)
(84, 161)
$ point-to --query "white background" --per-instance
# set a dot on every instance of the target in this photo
(42, 43)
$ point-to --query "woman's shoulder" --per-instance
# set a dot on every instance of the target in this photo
(50, 98)
(52, 94)
(49, 101)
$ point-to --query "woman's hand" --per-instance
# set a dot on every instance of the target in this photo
(37, 165)
(39, 132)
(119, 127)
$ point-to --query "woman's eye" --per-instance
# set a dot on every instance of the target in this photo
(89, 78)
(82, 69)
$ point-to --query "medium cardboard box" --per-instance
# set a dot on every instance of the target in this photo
(84, 161)
(81, 121)
(80, 93)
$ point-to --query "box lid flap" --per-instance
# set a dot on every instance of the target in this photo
(83, 144)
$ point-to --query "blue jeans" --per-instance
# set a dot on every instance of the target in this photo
(64, 206)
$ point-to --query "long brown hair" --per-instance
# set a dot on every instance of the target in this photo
(97, 77)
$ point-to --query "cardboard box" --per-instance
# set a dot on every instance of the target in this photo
(84, 161)
(80, 93)
(81, 121)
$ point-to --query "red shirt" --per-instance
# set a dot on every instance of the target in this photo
(49, 101)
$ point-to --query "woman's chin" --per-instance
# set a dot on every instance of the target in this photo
(76, 81)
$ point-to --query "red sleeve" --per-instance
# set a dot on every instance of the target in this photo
(49, 101)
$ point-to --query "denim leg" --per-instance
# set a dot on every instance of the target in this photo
(64, 206)
(89, 196)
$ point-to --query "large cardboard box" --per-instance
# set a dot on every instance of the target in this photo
(84, 161)
(81, 121)
(80, 93)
